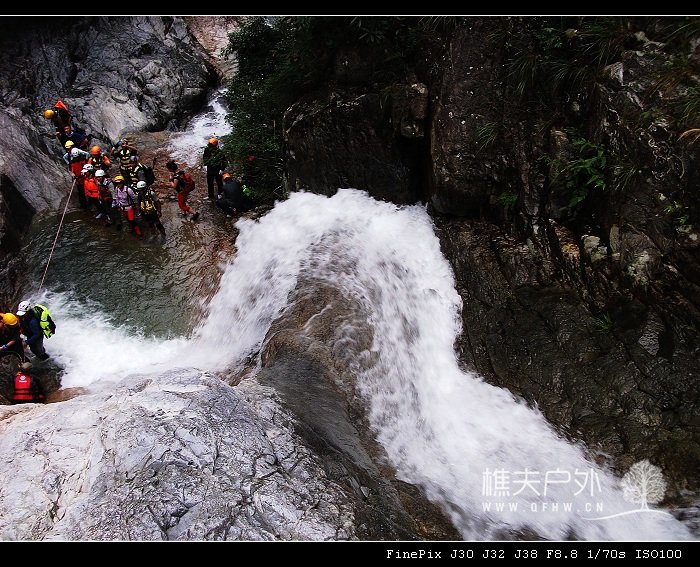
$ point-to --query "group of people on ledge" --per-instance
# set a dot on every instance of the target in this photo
(129, 195)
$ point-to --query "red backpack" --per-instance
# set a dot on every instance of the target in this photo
(187, 182)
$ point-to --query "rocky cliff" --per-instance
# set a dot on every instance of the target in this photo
(571, 225)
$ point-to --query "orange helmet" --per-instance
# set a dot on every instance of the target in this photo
(95, 150)
(226, 176)
(214, 141)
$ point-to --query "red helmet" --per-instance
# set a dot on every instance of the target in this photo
(95, 150)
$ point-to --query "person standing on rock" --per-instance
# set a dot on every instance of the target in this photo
(76, 159)
(183, 184)
(105, 188)
(215, 161)
(79, 139)
(149, 205)
(91, 188)
(122, 153)
(99, 160)
(125, 201)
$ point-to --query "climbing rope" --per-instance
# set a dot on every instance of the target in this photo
(60, 224)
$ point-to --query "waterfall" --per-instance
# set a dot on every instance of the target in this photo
(491, 462)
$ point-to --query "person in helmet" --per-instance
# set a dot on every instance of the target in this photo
(136, 170)
(76, 159)
(60, 118)
(10, 339)
(78, 137)
(105, 189)
(233, 201)
(31, 328)
(27, 388)
(125, 201)
(215, 160)
(122, 153)
(92, 189)
(182, 182)
(150, 206)
(99, 160)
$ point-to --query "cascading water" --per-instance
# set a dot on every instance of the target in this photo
(210, 122)
(491, 462)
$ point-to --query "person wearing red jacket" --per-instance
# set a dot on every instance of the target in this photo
(91, 188)
(27, 389)
(76, 158)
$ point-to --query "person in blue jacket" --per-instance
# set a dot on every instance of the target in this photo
(30, 328)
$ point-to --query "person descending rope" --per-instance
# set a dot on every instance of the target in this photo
(76, 159)
(31, 328)
(26, 388)
(60, 117)
(183, 184)
(150, 206)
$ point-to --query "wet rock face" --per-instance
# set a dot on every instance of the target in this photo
(351, 143)
(625, 381)
(177, 457)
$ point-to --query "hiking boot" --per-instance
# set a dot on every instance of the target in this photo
(195, 216)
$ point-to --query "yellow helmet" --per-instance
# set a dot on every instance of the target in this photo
(48, 113)
(69, 144)
(118, 178)
(10, 319)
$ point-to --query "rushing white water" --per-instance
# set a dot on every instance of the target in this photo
(186, 147)
(471, 446)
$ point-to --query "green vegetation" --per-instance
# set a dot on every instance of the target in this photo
(290, 59)
(486, 135)
(550, 57)
(603, 323)
(679, 213)
(583, 172)
(507, 199)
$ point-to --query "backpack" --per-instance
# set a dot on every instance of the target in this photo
(45, 320)
(148, 205)
(150, 175)
(187, 182)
